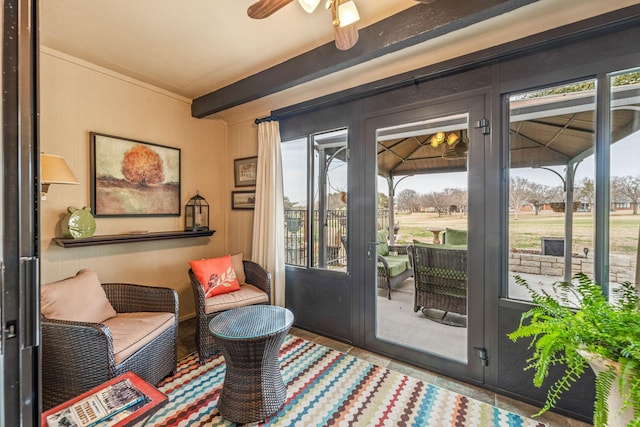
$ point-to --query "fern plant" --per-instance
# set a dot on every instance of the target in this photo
(561, 335)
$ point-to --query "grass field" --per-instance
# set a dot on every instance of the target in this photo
(527, 230)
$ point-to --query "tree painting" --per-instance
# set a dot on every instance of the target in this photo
(143, 166)
(132, 177)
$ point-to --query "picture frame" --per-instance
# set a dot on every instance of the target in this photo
(133, 178)
(244, 171)
(243, 199)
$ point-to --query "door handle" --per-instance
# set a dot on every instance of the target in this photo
(371, 247)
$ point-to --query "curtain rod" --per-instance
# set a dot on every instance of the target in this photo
(266, 119)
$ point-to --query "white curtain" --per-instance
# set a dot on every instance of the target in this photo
(268, 221)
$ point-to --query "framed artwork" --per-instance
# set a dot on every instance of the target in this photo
(243, 199)
(133, 178)
(245, 171)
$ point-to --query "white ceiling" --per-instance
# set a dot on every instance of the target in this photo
(193, 47)
(189, 47)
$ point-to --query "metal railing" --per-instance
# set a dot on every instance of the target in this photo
(334, 253)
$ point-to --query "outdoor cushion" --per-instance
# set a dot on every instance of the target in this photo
(132, 331)
(77, 299)
(247, 295)
(397, 264)
(455, 237)
(383, 246)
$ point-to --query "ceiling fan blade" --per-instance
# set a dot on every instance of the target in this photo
(263, 8)
(346, 37)
(426, 1)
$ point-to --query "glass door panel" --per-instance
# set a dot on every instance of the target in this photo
(428, 185)
(422, 218)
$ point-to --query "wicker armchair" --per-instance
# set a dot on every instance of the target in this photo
(77, 356)
(440, 276)
(257, 290)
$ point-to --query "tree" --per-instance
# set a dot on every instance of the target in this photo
(436, 200)
(628, 186)
(537, 195)
(141, 165)
(408, 200)
(383, 201)
(586, 191)
(459, 198)
(518, 193)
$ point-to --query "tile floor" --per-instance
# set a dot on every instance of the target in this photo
(186, 346)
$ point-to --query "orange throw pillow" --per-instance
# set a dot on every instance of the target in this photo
(216, 275)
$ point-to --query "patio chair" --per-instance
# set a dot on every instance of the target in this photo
(256, 289)
(440, 275)
(392, 269)
(92, 332)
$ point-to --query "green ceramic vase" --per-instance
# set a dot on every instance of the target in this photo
(78, 223)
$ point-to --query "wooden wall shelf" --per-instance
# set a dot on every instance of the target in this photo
(129, 238)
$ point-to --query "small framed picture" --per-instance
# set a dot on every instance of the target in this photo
(245, 171)
(243, 200)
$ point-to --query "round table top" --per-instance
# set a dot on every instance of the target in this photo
(253, 321)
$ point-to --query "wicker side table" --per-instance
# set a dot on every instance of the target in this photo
(250, 339)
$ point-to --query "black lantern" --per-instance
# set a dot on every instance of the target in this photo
(196, 214)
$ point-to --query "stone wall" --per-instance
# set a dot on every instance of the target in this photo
(621, 268)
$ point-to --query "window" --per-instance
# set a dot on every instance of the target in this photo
(551, 184)
(315, 190)
(624, 183)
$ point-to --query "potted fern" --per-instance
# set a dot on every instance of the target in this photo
(603, 334)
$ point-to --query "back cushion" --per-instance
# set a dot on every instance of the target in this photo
(455, 237)
(383, 246)
(79, 299)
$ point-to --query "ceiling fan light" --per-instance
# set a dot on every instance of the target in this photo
(348, 13)
(309, 5)
(452, 138)
(437, 139)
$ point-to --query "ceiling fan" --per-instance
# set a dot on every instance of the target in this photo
(344, 14)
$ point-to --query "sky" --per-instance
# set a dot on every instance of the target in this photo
(625, 160)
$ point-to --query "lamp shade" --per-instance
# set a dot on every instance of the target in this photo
(309, 5)
(56, 171)
(348, 13)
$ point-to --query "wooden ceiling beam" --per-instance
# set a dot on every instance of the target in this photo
(415, 25)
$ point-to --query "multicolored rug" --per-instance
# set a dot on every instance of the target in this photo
(328, 388)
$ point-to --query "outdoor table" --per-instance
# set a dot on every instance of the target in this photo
(250, 339)
(436, 234)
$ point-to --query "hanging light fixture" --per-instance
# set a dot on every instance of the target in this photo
(344, 13)
(309, 5)
(437, 139)
(348, 13)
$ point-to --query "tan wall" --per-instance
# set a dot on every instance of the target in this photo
(242, 139)
(77, 98)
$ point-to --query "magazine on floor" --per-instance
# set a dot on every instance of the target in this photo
(98, 407)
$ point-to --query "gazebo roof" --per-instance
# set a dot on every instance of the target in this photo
(545, 131)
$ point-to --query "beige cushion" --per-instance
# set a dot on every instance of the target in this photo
(247, 295)
(238, 266)
(79, 299)
(132, 331)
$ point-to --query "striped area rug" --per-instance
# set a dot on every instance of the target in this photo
(328, 388)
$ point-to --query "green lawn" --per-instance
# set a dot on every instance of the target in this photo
(526, 231)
